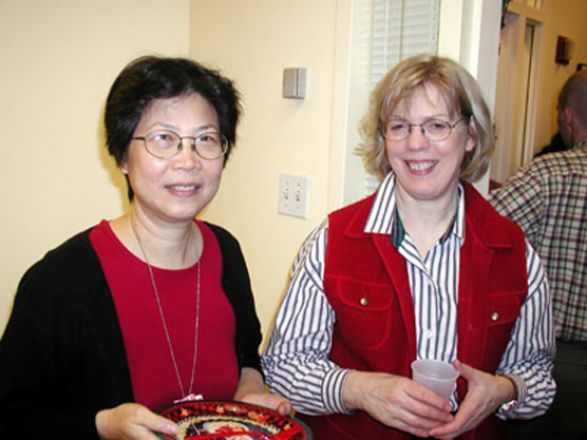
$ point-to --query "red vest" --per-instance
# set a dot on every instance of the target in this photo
(363, 268)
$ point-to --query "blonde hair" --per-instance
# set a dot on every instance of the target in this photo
(461, 93)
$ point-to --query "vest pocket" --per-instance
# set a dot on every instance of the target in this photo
(362, 312)
(504, 307)
(501, 315)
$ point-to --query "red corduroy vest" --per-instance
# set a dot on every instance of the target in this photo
(366, 282)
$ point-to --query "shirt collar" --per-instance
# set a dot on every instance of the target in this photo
(383, 216)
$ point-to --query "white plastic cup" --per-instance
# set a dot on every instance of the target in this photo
(438, 376)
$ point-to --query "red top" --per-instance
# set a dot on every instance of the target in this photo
(151, 369)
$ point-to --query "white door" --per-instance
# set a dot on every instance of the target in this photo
(514, 97)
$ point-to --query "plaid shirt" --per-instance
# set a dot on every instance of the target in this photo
(548, 199)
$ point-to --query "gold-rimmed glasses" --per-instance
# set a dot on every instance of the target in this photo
(432, 129)
(164, 144)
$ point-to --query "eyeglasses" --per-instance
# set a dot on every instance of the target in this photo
(432, 129)
(164, 144)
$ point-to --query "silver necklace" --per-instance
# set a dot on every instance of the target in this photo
(189, 395)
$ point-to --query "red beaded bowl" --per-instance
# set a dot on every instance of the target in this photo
(203, 419)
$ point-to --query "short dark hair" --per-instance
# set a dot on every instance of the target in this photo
(152, 77)
(574, 95)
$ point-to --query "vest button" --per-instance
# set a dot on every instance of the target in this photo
(364, 301)
(494, 316)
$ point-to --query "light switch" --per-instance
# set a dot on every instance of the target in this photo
(294, 83)
(293, 195)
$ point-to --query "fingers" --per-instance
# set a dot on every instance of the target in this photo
(398, 402)
(284, 408)
(272, 401)
(363, 390)
(452, 429)
(431, 400)
(421, 412)
(480, 401)
(414, 423)
(156, 423)
(464, 370)
(132, 421)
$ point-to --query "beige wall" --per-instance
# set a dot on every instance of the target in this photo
(253, 42)
(57, 61)
(566, 18)
(557, 17)
(58, 58)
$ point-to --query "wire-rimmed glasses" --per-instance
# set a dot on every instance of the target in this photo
(164, 144)
(432, 129)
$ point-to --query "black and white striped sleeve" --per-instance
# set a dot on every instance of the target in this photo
(296, 363)
(530, 351)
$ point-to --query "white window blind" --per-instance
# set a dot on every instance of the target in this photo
(399, 30)
(384, 33)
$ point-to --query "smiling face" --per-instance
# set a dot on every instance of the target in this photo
(428, 170)
(175, 189)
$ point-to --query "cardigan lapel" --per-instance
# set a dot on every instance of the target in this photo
(102, 321)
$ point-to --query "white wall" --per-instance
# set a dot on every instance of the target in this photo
(57, 61)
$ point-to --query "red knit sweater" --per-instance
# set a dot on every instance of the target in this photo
(151, 369)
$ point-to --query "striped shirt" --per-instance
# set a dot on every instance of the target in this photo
(296, 361)
(548, 199)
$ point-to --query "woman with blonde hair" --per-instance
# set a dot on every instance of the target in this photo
(424, 268)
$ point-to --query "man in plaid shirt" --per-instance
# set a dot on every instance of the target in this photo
(548, 199)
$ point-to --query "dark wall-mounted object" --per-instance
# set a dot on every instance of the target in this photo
(564, 48)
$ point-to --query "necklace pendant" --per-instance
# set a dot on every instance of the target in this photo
(189, 398)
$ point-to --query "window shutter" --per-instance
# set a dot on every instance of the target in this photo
(399, 30)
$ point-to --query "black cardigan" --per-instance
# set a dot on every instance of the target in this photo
(62, 356)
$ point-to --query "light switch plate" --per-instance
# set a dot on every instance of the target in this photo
(294, 82)
(293, 195)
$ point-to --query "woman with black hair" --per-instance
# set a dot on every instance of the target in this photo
(153, 306)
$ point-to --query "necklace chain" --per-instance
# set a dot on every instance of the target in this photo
(164, 321)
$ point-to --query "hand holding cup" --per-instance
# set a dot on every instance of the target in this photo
(437, 376)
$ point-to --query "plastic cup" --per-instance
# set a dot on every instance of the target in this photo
(438, 376)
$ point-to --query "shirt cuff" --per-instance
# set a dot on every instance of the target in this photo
(332, 391)
(520, 384)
